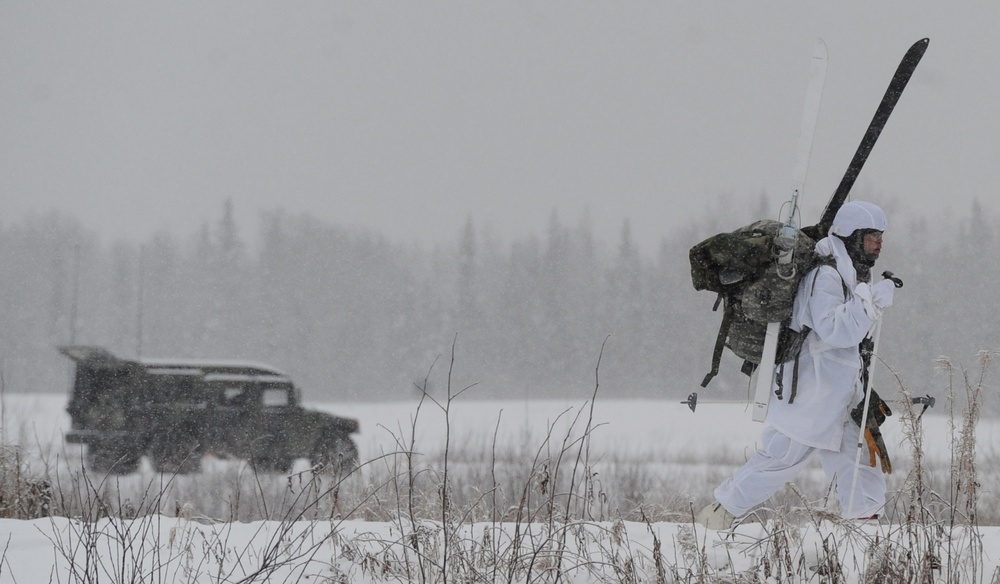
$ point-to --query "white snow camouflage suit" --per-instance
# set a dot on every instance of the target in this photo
(829, 384)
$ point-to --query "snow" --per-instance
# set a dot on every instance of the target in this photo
(168, 549)
(180, 545)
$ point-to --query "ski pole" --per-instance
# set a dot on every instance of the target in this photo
(867, 402)
(693, 401)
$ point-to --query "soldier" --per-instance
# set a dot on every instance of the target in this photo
(839, 308)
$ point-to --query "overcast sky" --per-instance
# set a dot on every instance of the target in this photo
(407, 117)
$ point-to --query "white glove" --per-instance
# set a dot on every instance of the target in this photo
(882, 293)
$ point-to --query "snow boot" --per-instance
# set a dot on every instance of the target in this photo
(715, 516)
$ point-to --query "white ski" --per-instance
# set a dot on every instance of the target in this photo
(786, 238)
(765, 373)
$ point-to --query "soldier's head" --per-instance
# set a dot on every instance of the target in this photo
(860, 225)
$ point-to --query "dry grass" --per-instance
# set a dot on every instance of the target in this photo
(482, 512)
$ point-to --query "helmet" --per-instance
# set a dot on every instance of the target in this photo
(855, 215)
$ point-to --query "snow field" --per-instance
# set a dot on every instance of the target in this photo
(628, 486)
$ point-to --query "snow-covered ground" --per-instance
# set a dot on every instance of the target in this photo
(662, 436)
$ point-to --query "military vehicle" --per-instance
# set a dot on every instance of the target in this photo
(176, 410)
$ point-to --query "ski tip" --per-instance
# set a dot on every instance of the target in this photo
(820, 51)
(916, 51)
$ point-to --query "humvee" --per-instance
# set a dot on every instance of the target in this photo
(176, 410)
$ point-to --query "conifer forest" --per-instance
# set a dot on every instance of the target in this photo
(354, 315)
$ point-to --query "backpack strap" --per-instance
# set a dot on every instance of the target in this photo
(797, 338)
(795, 377)
(720, 341)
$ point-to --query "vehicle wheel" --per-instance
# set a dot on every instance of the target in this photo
(111, 460)
(336, 453)
(176, 458)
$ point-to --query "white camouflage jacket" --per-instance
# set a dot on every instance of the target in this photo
(829, 380)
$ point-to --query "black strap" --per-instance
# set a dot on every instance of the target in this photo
(720, 342)
(780, 375)
(779, 379)
(795, 377)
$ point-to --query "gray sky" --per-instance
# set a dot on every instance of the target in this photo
(406, 118)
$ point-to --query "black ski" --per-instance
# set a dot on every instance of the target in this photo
(896, 86)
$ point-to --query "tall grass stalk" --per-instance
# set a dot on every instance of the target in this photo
(465, 511)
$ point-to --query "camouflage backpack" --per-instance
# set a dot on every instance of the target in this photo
(740, 267)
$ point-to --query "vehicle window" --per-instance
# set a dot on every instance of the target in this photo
(275, 397)
(235, 396)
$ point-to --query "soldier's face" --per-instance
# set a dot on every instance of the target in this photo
(873, 243)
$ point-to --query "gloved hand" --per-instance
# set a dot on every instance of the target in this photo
(882, 293)
(876, 446)
(878, 410)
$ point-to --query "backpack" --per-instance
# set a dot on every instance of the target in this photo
(741, 267)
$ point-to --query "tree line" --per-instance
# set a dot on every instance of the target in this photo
(353, 315)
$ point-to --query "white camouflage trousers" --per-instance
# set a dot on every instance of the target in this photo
(780, 459)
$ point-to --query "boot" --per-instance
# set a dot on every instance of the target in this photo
(715, 516)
